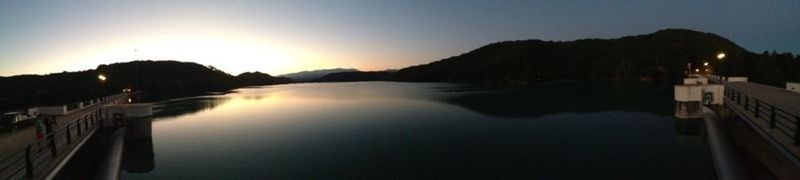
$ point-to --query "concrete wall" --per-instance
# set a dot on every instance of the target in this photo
(128, 110)
(718, 93)
(689, 81)
(53, 110)
(793, 86)
(689, 99)
(33, 111)
(686, 93)
(695, 81)
(737, 79)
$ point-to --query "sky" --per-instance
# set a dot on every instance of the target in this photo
(278, 37)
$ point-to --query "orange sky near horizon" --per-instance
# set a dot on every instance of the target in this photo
(282, 36)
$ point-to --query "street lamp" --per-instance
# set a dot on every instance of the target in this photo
(102, 79)
(720, 57)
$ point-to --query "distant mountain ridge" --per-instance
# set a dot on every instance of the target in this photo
(315, 74)
(662, 55)
(157, 79)
(258, 78)
(356, 76)
(659, 56)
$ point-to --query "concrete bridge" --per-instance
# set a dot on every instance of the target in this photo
(26, 157)
(774, 113)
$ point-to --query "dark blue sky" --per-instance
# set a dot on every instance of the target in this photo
(285, 36)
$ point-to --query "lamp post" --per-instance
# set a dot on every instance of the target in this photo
(102, 79)
(720, 57)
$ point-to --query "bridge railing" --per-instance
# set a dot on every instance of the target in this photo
(785, 122)
(40, 156)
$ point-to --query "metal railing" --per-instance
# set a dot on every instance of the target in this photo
(42, 155)
(785, 122)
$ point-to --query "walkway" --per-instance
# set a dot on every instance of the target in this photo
(43, 156)
(11, 142)
(772, 111)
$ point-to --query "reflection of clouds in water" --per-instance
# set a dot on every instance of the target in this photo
(528, 102)
(353, 90)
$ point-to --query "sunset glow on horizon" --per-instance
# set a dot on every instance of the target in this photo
(278, 37)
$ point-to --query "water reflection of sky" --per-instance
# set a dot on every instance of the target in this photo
(381, 129)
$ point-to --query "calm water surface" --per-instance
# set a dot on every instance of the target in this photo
(385, 129)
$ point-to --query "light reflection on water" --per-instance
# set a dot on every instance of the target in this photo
(383, 129)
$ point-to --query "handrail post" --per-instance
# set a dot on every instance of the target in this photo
(797, 131)
(739, 98)
(53, 145)
(78, 124)
(771, 116)
(755, 111)
(746, 102)
(69, 135)
(28, 163)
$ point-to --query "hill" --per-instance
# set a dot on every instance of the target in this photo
(662, 55)
(258, 78)
(315, 74)
(156, 79)
(356, 76)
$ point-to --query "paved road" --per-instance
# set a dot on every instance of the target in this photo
(11, 142)
(782, 135)
(784, 99)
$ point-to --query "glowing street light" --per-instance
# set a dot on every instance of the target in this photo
(705, 64)
(696, 70)
(101, 77)
(721, 56)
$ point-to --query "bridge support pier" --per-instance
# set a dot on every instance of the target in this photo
(688, 101)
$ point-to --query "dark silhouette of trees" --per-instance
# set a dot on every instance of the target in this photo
(156, 79)
(662, 55)
(258, 78)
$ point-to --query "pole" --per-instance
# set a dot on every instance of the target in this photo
(28, 163)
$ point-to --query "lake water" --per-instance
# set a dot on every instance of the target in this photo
(378, 130)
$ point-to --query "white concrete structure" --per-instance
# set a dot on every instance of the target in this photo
(717, 93)
(53, 110)
(689, 81)
(686, 93)
(128, 110)
(688, 101)
(737, 79)
(695, 80)
(793, 86)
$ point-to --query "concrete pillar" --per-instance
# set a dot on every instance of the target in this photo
(688, 100)
(138, 156)
(716, 94)
(139, 128)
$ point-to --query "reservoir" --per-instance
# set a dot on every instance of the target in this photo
(379, 130)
